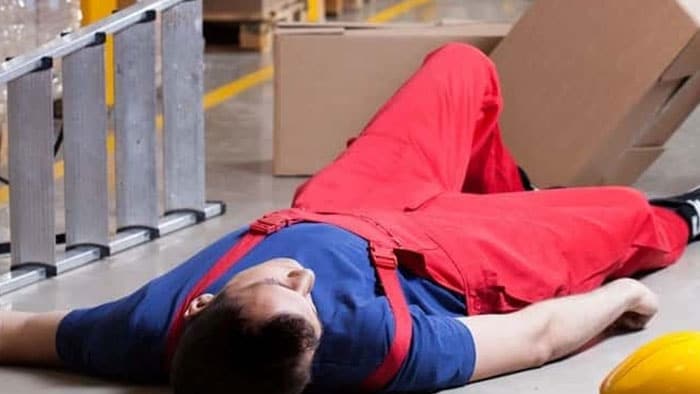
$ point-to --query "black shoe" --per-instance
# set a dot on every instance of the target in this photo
(525, 179)
(688, 206)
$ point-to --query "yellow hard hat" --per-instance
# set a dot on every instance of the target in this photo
(668, 365)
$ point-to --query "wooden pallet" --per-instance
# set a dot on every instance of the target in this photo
(228, 12)
(252, 32)
(337, 7)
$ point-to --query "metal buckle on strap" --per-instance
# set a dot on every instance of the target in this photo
(383, 257)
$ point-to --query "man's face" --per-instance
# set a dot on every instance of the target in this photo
(279, 286)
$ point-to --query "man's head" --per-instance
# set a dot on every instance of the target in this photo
(257, 336)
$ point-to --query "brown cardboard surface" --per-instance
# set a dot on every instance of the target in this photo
(689, 59)
(631, 165)
(687, 62)
(310, 27)
(329, 83)
(673, 114)
(439, 28)
(574, 74)
(583, 80)
(639, 118)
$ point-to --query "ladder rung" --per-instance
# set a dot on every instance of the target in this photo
(30, 157)
(135, 117)
(183, 88)
(85, 152)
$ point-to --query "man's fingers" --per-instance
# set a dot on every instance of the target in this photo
(632, 321)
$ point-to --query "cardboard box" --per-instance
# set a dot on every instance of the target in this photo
(594, 88)
(330, 79)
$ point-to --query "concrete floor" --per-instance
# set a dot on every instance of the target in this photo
(239, 135)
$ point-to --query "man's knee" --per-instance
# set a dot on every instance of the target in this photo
(629, 197)
(459, 55)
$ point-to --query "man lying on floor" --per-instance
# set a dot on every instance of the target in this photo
(417, 261)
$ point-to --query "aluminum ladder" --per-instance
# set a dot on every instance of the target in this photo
(34, 254)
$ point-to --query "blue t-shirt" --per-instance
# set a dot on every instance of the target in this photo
(125, 339)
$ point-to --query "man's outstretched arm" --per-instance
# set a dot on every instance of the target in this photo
(29, 338)
(553, 329)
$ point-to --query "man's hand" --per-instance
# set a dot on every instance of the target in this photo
(643, 306)
(553, 329)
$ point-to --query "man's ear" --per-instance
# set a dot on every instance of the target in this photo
(198, 305)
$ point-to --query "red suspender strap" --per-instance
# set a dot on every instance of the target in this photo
(258, 231)
(386, 265)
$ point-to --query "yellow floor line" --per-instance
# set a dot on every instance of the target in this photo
(249, 81)
(397, 10)
(223, 93)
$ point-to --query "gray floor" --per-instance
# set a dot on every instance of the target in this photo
(239, 136)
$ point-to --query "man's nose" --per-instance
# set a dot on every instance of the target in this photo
(302, 280)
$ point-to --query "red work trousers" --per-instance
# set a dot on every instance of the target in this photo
(434, 155)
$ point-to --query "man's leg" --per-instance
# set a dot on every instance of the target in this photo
(528, 247)
(438, 133)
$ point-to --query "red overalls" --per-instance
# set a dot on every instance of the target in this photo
(430, 185)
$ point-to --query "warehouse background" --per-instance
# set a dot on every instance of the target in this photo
(240, 106)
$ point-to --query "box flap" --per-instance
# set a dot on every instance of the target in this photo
(623, 136)
(632, 165)
(687, 63)
(673, 113)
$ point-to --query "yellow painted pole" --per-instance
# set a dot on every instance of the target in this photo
(93, 11)
(316, 10)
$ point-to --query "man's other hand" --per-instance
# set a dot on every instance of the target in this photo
(644, 305)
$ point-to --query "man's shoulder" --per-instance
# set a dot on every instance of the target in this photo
(121, 339)
(353, 343)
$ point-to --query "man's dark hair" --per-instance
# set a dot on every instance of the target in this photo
(223, 351)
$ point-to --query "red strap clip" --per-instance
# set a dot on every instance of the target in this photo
(271, 223)
(383, 256)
